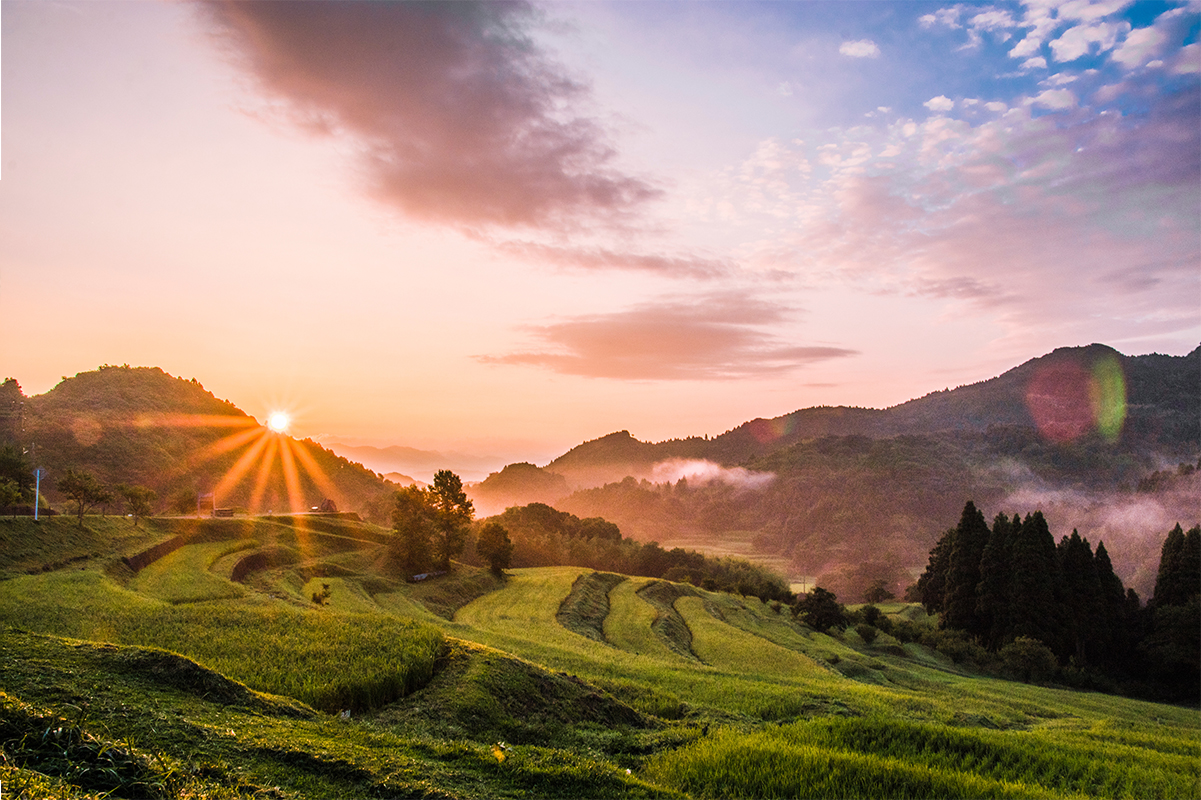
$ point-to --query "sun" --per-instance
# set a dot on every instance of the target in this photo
(278, 421)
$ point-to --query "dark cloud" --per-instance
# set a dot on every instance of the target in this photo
(463, 120)
(714, 337)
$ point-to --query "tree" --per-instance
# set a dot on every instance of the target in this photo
(963, 572)
(1028, 660)
(185, 501)
(1034, 611)
(139, 501)
(494, 546)
(10, 494)
(15, 467)
(996, 580)
(821, 611)
(878, 592)
(452, 514)
(84, 490)
(412, 521)
(931, 586)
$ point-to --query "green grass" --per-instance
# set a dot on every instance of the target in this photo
(184, 576)
(585, 675)
(883, 757)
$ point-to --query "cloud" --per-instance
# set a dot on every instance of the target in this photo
(1188, 61)
(1056, 99)
(940, 103)
(944, 16)
(1038, 62)
(1078, 41)
(458, 116)
(1140, 45)
(1074, 226)
(861, 48)
(703, 472)
(714, 337)
(599, 258)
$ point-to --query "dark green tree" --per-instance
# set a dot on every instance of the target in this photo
(15, 467)
(84, 490)
(996, 580)
(452, 515)
(184, 501)
(413, 525)
(1034, 611)
(1173, 642)
(1116, 629)
(139, 501)
(931, 586)
(963, 572)
(10, 495)
(495, 547)
(878, 592)
(821, 611)
(1082, 606)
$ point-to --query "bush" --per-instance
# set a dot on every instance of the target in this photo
(1028, 660)
(866, 632)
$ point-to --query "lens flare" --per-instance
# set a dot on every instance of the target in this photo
(1069, 398)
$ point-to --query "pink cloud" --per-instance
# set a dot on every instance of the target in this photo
(461, 119)
(599, 258)
(715, 337)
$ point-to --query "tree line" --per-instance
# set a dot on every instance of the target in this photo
(1012, 582)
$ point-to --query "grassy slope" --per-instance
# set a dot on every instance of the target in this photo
(754, 705)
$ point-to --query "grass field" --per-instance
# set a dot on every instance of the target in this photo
(695, 693)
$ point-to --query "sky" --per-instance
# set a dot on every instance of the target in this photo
(507, 228)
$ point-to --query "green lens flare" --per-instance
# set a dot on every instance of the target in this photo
(1108, 392)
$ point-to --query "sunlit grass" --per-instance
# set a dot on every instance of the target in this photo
(890, 757)
(184, 576)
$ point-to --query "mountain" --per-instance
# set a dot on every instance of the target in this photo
(850, 495)
(139, 425)
(412, 461)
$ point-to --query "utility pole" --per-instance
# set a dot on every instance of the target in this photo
(37, 492)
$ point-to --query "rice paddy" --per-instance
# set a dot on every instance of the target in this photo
(696, 693)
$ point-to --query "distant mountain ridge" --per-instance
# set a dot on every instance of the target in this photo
(139, 425)
(1163, 411)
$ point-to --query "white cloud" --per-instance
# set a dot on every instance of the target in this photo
(1055, 99)
(1034, 63)
(1140, 45)
(860, 48)
(992, 20)
(1089, 10)
(944, 16)
(1188, 62)
(1078, 41)
(996, 106)
(940, 103)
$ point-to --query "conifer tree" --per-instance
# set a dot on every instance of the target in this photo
(996, 579)
(1081, 599)
(1034, 611)
(963, 572)
(1115, 628)
(932, 584)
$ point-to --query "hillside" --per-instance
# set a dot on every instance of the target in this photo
(850, 495)
(139, 425)
(552, 682)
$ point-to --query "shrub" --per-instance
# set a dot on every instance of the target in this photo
(1028, 660)
(866, 632)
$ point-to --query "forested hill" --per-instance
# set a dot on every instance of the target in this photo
(1163, 413)
(141, 426)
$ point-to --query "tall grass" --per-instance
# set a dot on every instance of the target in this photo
(328, 660)
(879, 757)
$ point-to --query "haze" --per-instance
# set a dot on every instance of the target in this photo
(511, 228)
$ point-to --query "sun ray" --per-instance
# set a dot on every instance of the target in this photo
(231, 478)
(193, 421)
(291, 475)
(225, 444)
(264, 474)
(315, 472)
